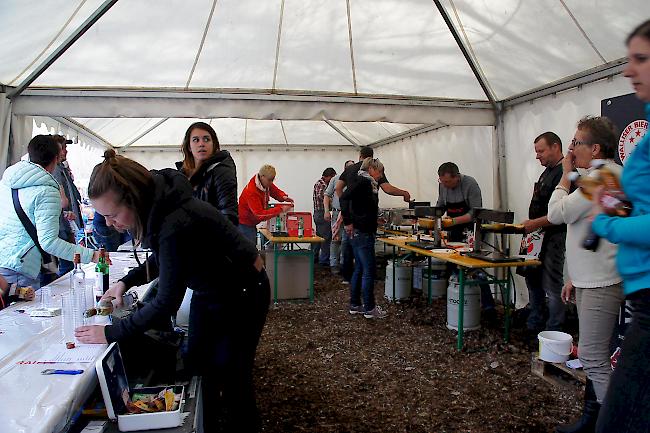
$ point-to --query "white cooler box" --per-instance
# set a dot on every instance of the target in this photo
(115, 390)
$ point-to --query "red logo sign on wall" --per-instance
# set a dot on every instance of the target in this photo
(631, 135)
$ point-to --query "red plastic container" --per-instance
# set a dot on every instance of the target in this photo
(293, 219)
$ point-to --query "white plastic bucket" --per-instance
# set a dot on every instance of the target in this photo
(554, 346)
(471, 310)
(403, 281)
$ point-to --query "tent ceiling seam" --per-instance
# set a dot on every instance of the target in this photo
(148, 130)
(260, 94)
(354, 73)
(277, 47)
(407, 134)
(198, 53)
(74, 37)
(79, 127)
(583, 32)
(76, 11)
(607, 70)
(471, 49)
(284, 133)
(343, 134)
(472, 64)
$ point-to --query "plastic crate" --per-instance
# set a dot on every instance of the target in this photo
(293, 219)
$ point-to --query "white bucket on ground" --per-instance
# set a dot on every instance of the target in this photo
(554, 346)
(403, 281)
(438, 277)
(472, 309)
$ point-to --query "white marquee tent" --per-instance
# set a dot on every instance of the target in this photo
(301, 84)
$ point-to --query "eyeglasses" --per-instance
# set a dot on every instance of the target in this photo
(575, 143)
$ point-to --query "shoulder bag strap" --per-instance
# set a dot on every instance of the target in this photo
(29, 226)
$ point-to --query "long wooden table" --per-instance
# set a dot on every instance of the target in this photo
(289, 246)
(464, 264)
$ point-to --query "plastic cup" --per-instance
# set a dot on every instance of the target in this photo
(47, 301)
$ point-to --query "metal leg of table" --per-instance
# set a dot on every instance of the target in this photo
(461, 307)
(506, 306)
(276, 252)
(429, 279)
(394, 273)
(311, 275)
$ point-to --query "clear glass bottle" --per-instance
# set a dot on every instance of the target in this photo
(77, 295)
(301, 227)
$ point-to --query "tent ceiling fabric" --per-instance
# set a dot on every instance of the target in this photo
(237, 132)
(242, 54)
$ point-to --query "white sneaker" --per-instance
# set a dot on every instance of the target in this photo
(375, 313)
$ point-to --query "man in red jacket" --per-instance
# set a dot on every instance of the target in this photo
(254, 201)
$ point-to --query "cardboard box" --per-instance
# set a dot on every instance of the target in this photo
(115, 389)
(293, 274)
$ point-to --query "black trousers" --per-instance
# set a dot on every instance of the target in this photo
(626, 408)
(222, 341)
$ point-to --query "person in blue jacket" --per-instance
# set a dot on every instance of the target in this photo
(627, 403)
(40, 198)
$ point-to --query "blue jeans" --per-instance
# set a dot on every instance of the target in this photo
(363, 278)
(324, 230)
(65, 266)
(347, 257)
(249, 232)
(627, 404)
(544, 280)
(21, 279)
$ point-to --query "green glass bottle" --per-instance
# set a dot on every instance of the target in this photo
(101, 275)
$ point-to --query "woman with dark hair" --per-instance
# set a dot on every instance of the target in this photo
(194, 247)
(627, 404)
(592, 274)
(211, 171)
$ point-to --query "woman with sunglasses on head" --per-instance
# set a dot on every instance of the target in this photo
(193, 246)
(211, 171)
(627, 404)
(592, 274)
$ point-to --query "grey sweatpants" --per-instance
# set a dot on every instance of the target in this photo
(598, 310)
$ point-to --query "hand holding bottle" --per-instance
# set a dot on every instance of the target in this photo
(116, 291)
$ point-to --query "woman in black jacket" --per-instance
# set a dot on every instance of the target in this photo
(211, 171)
(360, 206)
(194, 247)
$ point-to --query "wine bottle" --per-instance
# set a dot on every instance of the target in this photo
(101, 275)
(106, 307)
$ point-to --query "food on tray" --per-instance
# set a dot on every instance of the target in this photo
(69, 345)
(165, 400)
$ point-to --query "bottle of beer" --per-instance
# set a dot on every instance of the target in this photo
(301, 227)
(106, 307)
(101, 275)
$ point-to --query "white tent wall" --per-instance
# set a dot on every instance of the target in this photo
(297, 170)
(412, 163)
(558, 113)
